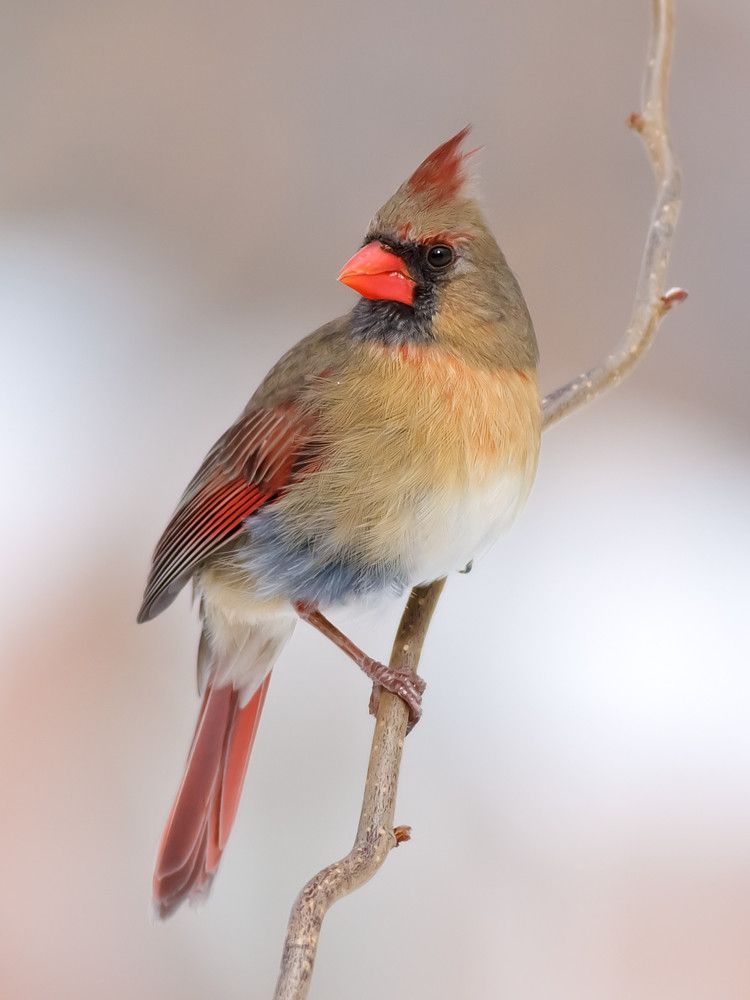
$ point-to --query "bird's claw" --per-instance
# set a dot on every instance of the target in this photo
(402, 682)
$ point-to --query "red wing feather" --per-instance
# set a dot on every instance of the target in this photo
(247, 467)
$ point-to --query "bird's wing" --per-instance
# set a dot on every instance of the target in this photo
(248, 466)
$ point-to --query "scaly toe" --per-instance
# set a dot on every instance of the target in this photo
(408, 686)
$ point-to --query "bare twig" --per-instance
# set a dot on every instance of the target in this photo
(376, 834)
(652, 302)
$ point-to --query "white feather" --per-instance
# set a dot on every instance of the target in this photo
(450, 531)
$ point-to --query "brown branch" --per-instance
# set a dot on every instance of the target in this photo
(376, 834)
(652, 301)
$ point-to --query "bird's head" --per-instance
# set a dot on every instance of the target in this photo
(430, 270)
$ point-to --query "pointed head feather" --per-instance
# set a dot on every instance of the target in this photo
(441, 176)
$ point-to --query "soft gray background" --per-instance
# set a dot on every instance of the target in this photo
(180, 183)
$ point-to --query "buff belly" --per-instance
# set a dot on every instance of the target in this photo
(438, 533)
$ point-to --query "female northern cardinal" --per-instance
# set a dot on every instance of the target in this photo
(386, 449)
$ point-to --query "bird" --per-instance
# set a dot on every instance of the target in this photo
(388, 448)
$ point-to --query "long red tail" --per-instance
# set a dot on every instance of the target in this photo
(203, 813)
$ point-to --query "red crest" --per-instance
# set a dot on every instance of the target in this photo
(442, 174)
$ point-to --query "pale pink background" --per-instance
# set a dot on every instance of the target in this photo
(179, 184)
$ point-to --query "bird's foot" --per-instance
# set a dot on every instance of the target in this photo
(404, 683)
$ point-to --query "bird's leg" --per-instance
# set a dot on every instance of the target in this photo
(402, 682)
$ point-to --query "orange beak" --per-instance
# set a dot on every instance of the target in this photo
(376, 273)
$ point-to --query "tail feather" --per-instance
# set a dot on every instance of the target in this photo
(235, 764)
(206, 805)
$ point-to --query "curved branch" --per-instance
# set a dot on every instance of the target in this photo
(375, 834)
(652, 301)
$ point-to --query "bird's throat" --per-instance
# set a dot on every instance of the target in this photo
(392, 323)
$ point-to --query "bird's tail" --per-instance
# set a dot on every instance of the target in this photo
(201, 819)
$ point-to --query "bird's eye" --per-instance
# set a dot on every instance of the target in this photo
(440, 256)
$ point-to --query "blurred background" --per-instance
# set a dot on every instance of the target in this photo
(179, 184)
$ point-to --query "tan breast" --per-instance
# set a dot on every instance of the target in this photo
(415, 445)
